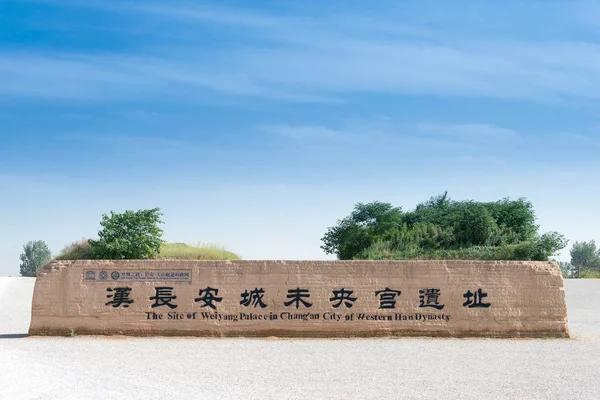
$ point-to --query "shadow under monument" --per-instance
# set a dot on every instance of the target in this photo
(13, 335)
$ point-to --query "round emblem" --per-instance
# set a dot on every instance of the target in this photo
(115, 275)
(103, 275)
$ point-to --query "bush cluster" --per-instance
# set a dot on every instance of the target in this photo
(441, 228)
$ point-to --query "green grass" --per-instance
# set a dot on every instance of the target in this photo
(520, 251)
(175, 251)
(202, 251)
(590, 274)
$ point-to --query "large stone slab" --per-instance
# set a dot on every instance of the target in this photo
(300, 298)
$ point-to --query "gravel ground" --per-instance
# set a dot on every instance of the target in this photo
(195, 368)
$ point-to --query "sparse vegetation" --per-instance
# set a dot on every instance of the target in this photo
(182, 251)
(81, 250)
(590, 274)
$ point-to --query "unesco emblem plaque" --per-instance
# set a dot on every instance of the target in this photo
(140, 275)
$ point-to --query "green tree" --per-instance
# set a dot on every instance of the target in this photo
(35, 255)
(585, 256)
(566, 268)
(130, 235)
(367, 224)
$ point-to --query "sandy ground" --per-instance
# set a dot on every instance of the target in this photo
(193, 368)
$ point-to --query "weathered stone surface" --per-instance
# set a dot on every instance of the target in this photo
(526, 299)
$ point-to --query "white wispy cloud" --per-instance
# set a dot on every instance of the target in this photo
(201, 12)
(313, 133)
(148, 146)
(579, 140)
(382, 132)
(111, 76)
(468, 132)
(66, 76)
(346, 67)
(318, 59)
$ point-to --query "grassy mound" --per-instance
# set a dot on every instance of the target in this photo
(81, 250)
(182, 251)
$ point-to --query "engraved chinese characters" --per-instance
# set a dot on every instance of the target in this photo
(163, 297)
(253, 298)
(120, 296)
(342, 296)
(208, 297)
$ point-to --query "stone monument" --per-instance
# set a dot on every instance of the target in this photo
(300, 298)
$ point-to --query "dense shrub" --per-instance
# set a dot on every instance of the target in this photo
(441, 228)
(80, 250)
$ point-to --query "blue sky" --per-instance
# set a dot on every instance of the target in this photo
(257, 125)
